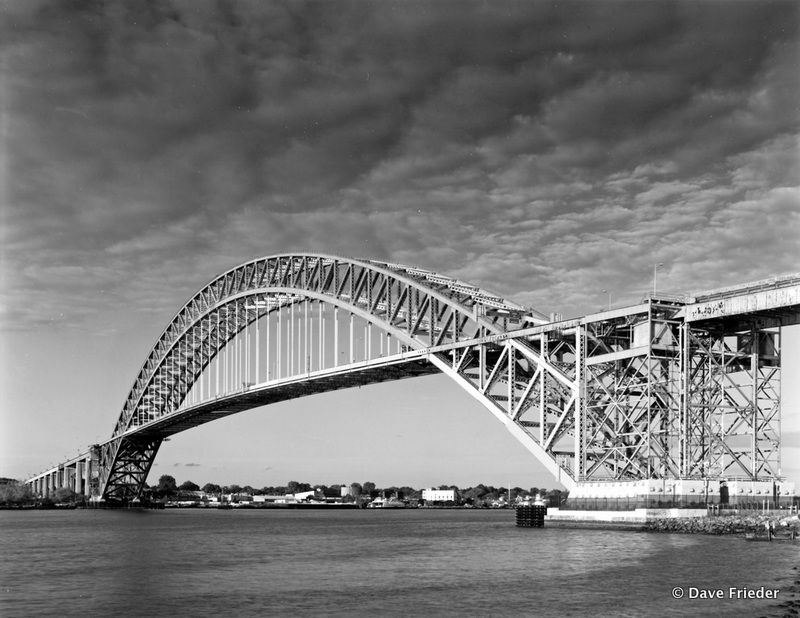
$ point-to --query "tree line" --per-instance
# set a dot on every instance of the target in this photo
(168, 488)
(15, 494)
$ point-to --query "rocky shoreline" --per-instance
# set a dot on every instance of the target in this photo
(728, 524)
(754, 526)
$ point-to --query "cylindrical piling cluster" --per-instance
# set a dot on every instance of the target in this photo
(531, 515)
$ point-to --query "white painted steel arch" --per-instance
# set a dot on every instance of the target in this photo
(432, 319)
(277, 280)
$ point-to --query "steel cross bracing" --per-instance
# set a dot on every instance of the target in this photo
(670, 388)
(733, 407)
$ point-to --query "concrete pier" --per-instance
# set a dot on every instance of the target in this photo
(75, 475)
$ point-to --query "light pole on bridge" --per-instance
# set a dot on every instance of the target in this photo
(655, 275)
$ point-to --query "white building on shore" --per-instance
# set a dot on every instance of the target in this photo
(439, 495)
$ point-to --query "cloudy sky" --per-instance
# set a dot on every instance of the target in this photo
(544, 150)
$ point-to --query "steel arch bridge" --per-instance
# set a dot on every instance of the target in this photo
(672, 388)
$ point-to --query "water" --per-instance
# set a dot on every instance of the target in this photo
(366, 562)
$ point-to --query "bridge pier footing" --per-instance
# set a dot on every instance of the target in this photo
(696, 493)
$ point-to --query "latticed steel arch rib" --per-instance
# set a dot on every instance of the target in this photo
(259, 276)
(422, 309)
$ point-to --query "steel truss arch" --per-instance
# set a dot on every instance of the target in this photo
(193, 311)
(420, 309)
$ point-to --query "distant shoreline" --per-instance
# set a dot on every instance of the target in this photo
(723, 525)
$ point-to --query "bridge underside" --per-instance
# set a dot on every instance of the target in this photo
(301, 386)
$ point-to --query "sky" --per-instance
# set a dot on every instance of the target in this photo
(552, 152)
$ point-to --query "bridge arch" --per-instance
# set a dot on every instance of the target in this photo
(230, 346)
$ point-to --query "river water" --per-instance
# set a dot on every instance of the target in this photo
(418, 562)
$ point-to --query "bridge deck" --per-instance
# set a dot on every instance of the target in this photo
(776, 301)
(284, 390)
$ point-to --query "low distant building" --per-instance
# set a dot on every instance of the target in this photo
(331, 494)
(265, 498)
(433, 496)
(236, 498)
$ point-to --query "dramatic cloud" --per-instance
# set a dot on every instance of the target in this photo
(544, 150)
